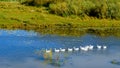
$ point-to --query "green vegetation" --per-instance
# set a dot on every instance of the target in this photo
(56, 14)
(81, 8)
(93, 8)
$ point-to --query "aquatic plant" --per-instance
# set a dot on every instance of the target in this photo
(116, 62)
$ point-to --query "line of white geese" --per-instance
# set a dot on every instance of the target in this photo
(85, 48)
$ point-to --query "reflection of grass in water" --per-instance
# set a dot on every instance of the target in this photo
(116, 62)
(51, 58)
(57, 63)
(43, 54)
(55, 60)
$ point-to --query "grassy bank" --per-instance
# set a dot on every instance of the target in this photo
(15, 15)
(102, 9)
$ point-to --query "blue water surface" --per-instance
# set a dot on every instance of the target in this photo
(18, 50)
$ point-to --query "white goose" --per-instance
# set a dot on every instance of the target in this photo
(62, 50)
(48, 51)
(87, 47)
(70, 49)
(91, 47)
(104, 47)
(84, 48)
(57, 50)
(76, 49)
(99, 47)
(81, 47)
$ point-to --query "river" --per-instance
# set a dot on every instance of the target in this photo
(26, 49)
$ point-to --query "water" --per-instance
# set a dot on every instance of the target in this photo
(25, 49)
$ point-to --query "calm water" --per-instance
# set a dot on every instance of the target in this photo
(25, 49)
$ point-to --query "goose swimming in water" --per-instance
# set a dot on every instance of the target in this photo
(99, 47)
(62, 49)
(104, 47)
(76, 49)
(57, 50)
(70, 49)
(84, 48)
(48, 51)
(91, 47)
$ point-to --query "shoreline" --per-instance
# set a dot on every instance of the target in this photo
(103, 32)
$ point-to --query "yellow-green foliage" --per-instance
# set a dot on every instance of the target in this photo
(93, 8)
(15, 15)
(59, 8)
(48, 56)
(13, 0)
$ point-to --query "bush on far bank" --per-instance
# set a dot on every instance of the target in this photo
(92, 8)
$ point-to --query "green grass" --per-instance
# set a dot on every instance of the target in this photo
(15, 15)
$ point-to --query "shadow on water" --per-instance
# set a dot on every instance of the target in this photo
(67, 29)
(102, 32)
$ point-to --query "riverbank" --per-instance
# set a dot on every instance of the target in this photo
(13, 15)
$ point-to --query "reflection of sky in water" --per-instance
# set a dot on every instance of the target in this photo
(17, 50)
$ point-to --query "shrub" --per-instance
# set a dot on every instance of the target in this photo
(59, 9)
(113, 10)
(72, 8)
(81, 8)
